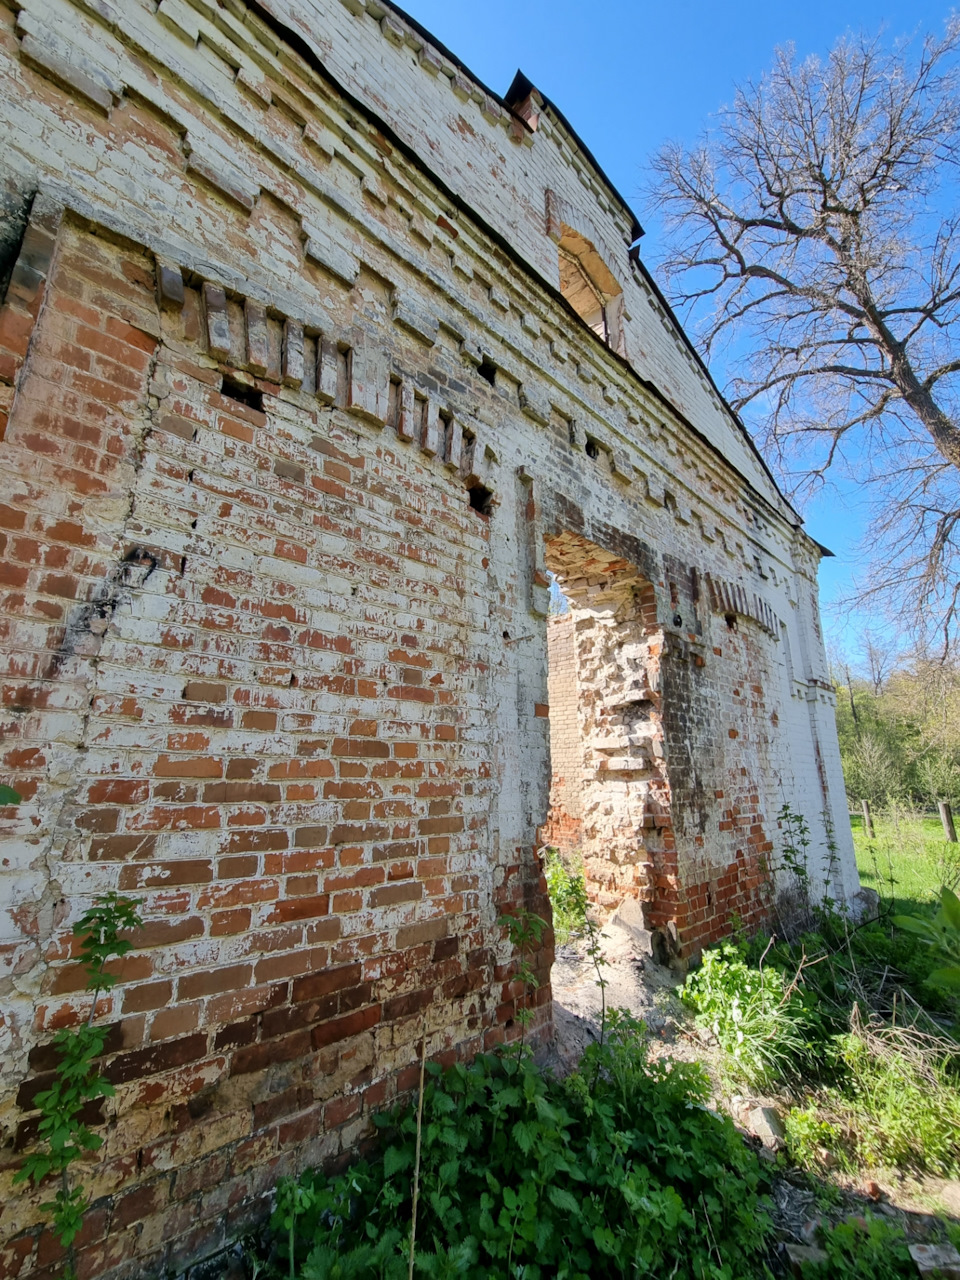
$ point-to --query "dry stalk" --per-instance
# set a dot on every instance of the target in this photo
(416, 1162)
(924, 1050)
(806, 962)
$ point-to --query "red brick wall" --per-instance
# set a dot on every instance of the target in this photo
(264, 664)
(563, 829)
(234, 689)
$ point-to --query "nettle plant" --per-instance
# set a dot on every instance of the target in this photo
(63, 1136)
(525, 930)
(942, 933)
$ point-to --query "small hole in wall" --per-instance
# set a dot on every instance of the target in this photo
(731, 620)
(234, 389)
(593, 449)
(488, 370)
(480, 498)
(506, 635)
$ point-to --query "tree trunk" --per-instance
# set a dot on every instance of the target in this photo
(853, 705)
(867, 820)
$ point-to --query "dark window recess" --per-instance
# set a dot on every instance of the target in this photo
(446, 434)
(593, 449)
(344, 375)
(15, 211)
(468, 448)
(488, 370)
(420, 417)
(480, 498)
(393, 403)
(234, 389)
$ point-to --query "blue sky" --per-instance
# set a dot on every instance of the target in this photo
(628, 76)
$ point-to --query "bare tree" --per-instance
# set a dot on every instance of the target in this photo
(815, 227)
(881, 657)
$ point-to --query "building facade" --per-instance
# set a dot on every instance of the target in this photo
(317, 357)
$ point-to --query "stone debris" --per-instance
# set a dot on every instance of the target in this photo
(800, 1255)
(936, 1260)
(766, 1124)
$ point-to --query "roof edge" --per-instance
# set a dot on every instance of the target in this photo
(511, 98)
(296, 41)
(520, 88)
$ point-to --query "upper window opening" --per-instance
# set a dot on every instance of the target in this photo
(579, 290)
(589, 286)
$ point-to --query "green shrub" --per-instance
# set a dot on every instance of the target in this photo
(568, 895)
(942, 935)
(871, 1249)
(808, 1135)
(763, 1027)
(617, 1171)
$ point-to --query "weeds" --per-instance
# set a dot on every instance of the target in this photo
(63, 1135)
(568, 895)
(853, 1020)
(598, 960)
(898, 1105)
(869, 1250)
(812, 1141)
(760, 1022)
(525, 930)
(619, 1170)
(874, 1092)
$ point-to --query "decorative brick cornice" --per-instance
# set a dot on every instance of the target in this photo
(733, 597)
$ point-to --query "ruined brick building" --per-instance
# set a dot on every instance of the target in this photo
(316, 358)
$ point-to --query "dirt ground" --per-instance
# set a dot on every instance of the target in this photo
(801, 1203)
(633, 982)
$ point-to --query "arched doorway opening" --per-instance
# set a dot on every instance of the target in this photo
(610, 798)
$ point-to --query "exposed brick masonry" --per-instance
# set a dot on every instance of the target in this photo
(296, 421)
(564, 826)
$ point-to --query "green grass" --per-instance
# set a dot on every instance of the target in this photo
(909, 860)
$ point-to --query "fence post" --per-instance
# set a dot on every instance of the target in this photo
(867, 820)
(946, 817)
